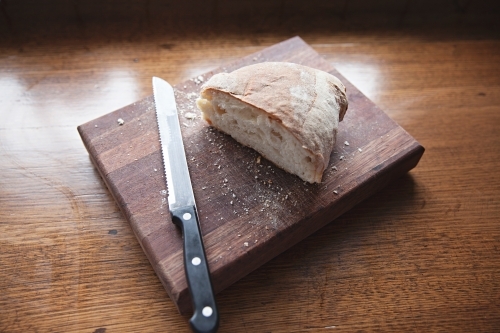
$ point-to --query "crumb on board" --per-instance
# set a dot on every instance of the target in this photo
(346, 143)
(120, 121)
(198, 79)
(190, 115)
(246, 244)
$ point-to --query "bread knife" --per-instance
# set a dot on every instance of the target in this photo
(182, 207)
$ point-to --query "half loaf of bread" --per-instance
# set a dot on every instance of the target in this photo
(289, 113)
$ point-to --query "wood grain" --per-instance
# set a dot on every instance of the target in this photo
(421, 255)
(250, 211)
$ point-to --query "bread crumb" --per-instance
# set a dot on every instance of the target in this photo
(258, 160)
(346, 143)
(246, 244)
(120, 121)
(335, 192)
(360, 150)
(190, 115)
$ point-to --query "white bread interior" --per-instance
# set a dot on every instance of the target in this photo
(254, 128)
(288, 113)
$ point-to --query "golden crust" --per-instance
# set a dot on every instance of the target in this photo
(308, 103)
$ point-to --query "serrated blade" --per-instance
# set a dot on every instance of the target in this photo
(182, 207)
(180, 191)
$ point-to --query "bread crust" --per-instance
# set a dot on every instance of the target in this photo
(307, 102)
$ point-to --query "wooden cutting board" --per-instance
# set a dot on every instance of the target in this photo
(250, 210)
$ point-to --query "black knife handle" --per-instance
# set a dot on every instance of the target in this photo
(205, 318)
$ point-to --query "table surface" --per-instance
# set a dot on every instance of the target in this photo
(421, 255)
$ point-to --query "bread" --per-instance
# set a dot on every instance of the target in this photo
(289, 113)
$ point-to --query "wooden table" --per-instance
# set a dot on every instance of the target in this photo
(422, 255)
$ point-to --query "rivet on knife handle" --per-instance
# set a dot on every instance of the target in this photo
(183, 209)
(205, 318)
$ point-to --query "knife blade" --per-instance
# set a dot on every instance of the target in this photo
(182, 207)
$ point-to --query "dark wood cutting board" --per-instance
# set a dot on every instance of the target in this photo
(250, 210)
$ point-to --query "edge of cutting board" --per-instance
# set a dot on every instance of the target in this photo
(249, 212)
